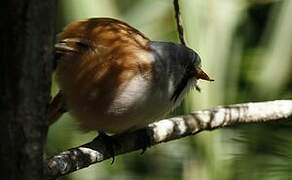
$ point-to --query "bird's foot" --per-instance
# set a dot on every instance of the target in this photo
(109, 143)
(144, 141)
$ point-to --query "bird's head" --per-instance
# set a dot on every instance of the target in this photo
(181, 64)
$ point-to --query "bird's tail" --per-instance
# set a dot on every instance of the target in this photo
(56, 108)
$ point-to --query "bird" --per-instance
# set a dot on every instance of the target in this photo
(114, 79)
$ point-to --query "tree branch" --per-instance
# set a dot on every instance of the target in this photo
(170, 129)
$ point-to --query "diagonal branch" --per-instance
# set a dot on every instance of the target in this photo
(170, 129)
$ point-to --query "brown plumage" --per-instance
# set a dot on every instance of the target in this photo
(94, 53)
(113, 77)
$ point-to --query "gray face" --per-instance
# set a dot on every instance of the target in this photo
(180, 64)
(176, 52)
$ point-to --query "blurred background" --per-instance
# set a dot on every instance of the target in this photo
(245, 45)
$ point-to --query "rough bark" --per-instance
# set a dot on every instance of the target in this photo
(26, 36)
(170, 129)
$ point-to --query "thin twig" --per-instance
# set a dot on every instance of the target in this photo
(178, 22)
(170, 129)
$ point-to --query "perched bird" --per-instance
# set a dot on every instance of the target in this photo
(114, 79)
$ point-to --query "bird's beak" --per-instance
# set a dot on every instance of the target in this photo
(200, 74)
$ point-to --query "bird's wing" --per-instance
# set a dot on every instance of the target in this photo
(71, 46)
(99, 35)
